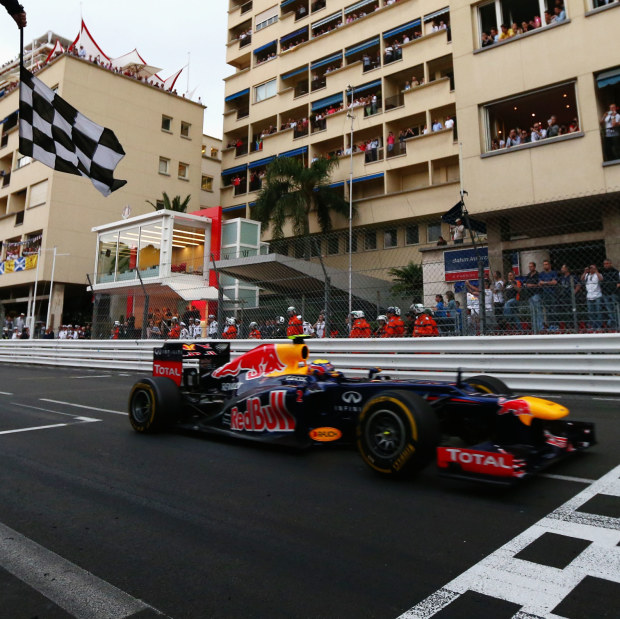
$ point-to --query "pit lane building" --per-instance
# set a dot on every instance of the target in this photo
(420, 66)
(40, 209)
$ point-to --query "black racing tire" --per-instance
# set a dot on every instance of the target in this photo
(154, 403)
(397, 433)
(489, 384)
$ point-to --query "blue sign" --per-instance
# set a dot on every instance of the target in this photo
(462, 264)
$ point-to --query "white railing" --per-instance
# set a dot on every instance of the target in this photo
(551, 363)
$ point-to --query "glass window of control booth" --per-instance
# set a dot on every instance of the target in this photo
(106, 256)
(188, 249)
(149, 250)
(127, 257)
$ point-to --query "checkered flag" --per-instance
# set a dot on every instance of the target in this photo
(56, 134)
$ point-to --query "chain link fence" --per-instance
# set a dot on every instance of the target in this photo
(536, 269)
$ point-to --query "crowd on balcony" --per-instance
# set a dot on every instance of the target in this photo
(318, 119)
(371, 104)
(244, 37)
(507, 31)
(537, 132)
(351, 17)
(327, 28)
(266, 58)
(300, 126)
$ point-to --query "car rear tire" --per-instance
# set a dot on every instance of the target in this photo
(489, 384)
(154, 403)
(397, 433)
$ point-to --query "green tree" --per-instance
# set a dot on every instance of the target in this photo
(292, 192)
(171, 205)
(408, 281)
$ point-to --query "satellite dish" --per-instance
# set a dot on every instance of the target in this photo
(126, 212)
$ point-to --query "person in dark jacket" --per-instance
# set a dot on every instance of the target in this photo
(16, 11)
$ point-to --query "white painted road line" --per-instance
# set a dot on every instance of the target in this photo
(75, 590)
(5, 393)
(45, 410)
(579, 480)
(536, 588)
(90, 408)
(56, 425)
(92, 376)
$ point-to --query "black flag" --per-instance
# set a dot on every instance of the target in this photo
(456, 212)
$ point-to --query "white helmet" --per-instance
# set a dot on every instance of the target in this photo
(382, 317)
(230, 321)
(397, 311)
(281, 320)
(418, 308)
(291, 310)
(212, 316)
(253, 325)
(357, 314)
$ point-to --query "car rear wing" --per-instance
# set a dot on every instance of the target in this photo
(169, 359)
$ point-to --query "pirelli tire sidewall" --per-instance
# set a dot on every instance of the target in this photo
(154, 404)
(489, 384)
(397, 433)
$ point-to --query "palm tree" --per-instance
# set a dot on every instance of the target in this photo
(174, 205)
(408, 281)
(291, 192)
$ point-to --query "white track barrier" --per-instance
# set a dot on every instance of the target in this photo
(588, 364)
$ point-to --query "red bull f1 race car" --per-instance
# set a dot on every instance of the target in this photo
(474, 429)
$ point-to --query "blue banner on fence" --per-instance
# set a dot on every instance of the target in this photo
(462, 264)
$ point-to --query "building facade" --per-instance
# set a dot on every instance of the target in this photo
(211, 172)
(437, 92)
(40, 209)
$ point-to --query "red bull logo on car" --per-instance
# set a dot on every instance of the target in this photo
(258, 362)
(515, 407)
(272, 417)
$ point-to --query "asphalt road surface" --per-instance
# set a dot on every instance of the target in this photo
(97, 521)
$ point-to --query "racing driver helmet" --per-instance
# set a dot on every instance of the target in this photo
(321, 368)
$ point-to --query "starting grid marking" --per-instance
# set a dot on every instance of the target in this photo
(536, 588)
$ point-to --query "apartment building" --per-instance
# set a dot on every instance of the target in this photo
(48, 215)
(423, 83)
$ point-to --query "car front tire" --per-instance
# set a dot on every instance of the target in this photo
(397, 433)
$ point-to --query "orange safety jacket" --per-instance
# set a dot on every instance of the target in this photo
(395, 327)
(424, 326)
(360, 328)
(254, 334)
(295, 326)
(230, 333)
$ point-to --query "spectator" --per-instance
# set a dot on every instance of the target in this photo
(611, 122)
(548, 280)
(175, 330)
(498, 294)
(437, 126)
(319, 325)
(568, 289)
(440, 312)
(531, 293)
(553, 129)
(513, 139)
(441, 241)
(212, 327)
(511, 300)
(184, 333)
(592, 278)
(390, 142)
(610, 287)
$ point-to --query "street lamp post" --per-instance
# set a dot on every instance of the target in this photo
(352, 117)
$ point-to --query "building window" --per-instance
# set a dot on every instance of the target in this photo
(333, 245)
(164, 165)
(206, 183)
(183, 170)
(533, 117)
(501, 20)
(38, 194)
(265, 91)
(214, 152)
(266, 18)
(390, 238)
(185, 127)
(370, 240)
(166, 123)
(608, 97)
(433, 232)
(596, 4)
(412, 234)
(22, 161)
